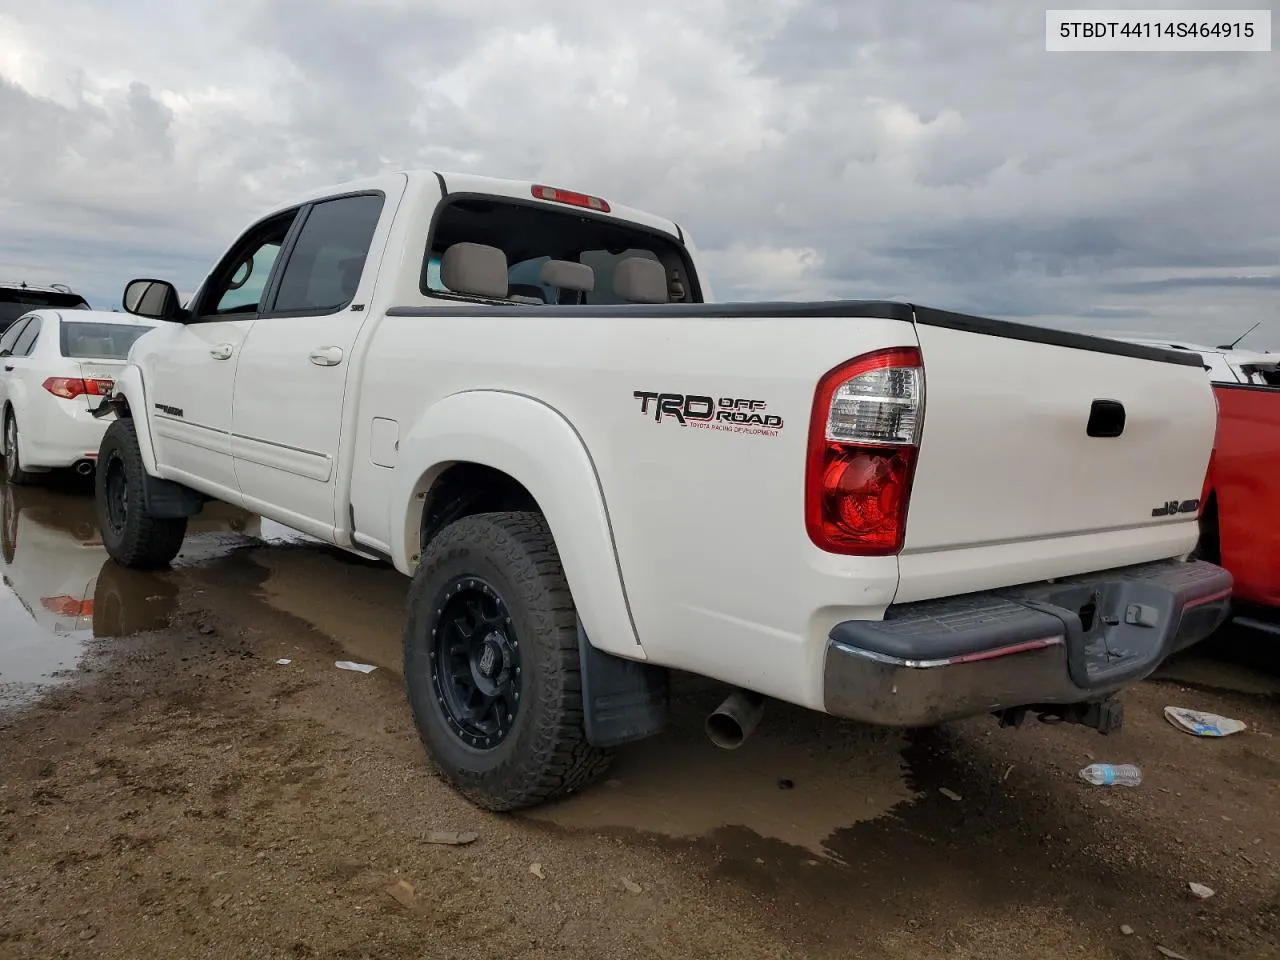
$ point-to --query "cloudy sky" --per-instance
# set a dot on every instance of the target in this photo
(914, 149)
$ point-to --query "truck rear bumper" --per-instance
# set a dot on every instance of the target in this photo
(1068, 641)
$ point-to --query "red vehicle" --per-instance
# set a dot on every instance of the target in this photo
(1240, 512)
(1240, 521)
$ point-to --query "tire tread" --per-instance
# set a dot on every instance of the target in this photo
(562, 760)
(148, 543)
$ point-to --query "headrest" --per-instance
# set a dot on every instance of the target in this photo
(640, 280)
(475, 269)
(568, 275)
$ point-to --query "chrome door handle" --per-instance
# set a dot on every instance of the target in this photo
(221, 352)
(326, 356)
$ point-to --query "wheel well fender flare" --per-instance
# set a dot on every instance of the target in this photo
(130, 386)
(537, 446)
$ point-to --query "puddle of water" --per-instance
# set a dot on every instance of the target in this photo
(800, 779)
(678, 784)
(60, 590)
(359, 605)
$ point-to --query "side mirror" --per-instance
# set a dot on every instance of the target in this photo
(154, 299)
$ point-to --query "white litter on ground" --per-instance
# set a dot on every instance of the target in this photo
(1202, 724)
(357, 667)
(283, 662)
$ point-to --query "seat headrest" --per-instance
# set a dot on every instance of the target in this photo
(475, 269)
(640, 280)
(568, 275)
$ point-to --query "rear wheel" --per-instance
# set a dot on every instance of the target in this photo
(12, 462)
(491, 664)
(133, 537)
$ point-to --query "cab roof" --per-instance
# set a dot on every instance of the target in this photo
(455, 183)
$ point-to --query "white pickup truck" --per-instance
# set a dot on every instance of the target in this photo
(522, 397)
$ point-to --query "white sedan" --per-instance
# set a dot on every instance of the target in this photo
(55, 366)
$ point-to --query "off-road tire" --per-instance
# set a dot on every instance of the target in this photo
(137, 539)
(12, 462)
(545, 755)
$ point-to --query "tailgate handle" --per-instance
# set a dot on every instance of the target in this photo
(1106, 419)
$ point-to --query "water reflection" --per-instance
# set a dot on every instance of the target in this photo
(60, 590)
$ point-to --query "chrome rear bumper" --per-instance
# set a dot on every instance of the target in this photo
(1069, 641)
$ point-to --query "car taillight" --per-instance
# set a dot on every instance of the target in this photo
(863, 437)
(65, 606)
(556, 195)
(68, 388)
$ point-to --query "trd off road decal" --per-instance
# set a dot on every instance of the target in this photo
(727, 414)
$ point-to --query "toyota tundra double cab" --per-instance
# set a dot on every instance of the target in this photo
(525, 399)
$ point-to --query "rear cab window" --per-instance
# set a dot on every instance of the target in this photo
(89, 340)
(529, 234)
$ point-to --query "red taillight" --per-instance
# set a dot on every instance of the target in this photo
(863, 438)
(65, 606)
(556, 195)
(68, 388)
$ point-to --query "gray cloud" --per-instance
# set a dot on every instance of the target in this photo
(924, 151)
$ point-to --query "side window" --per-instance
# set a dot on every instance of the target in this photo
(236, 286)
(11, 335)
(27, 339)
(325, 265)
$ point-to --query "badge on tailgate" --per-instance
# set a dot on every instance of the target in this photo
(1171, 507)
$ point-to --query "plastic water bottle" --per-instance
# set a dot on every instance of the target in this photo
(1108, 775)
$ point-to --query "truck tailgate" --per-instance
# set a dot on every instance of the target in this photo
(1047, 454)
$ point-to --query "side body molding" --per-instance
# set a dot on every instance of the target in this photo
(534, 443)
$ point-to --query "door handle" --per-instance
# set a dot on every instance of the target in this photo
(221, 352)
(326, 356)
(9, 367)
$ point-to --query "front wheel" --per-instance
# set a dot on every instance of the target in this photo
(491, 664)
(132, 536)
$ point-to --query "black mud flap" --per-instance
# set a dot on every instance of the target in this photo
(622, 700)
(167, 500)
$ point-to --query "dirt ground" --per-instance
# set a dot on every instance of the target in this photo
(182, 794)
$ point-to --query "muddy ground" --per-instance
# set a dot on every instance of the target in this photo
(167, 789)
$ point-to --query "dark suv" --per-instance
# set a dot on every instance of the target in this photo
(17, 299)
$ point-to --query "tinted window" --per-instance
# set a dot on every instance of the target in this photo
(14, 303)
(325, 266)
(11, 335)
(27, 339)
(84, 340)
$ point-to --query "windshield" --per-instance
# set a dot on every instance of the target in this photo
(82, 340)
(14, 303)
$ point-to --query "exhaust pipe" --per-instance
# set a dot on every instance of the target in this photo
(735, 719)
(84, 467)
